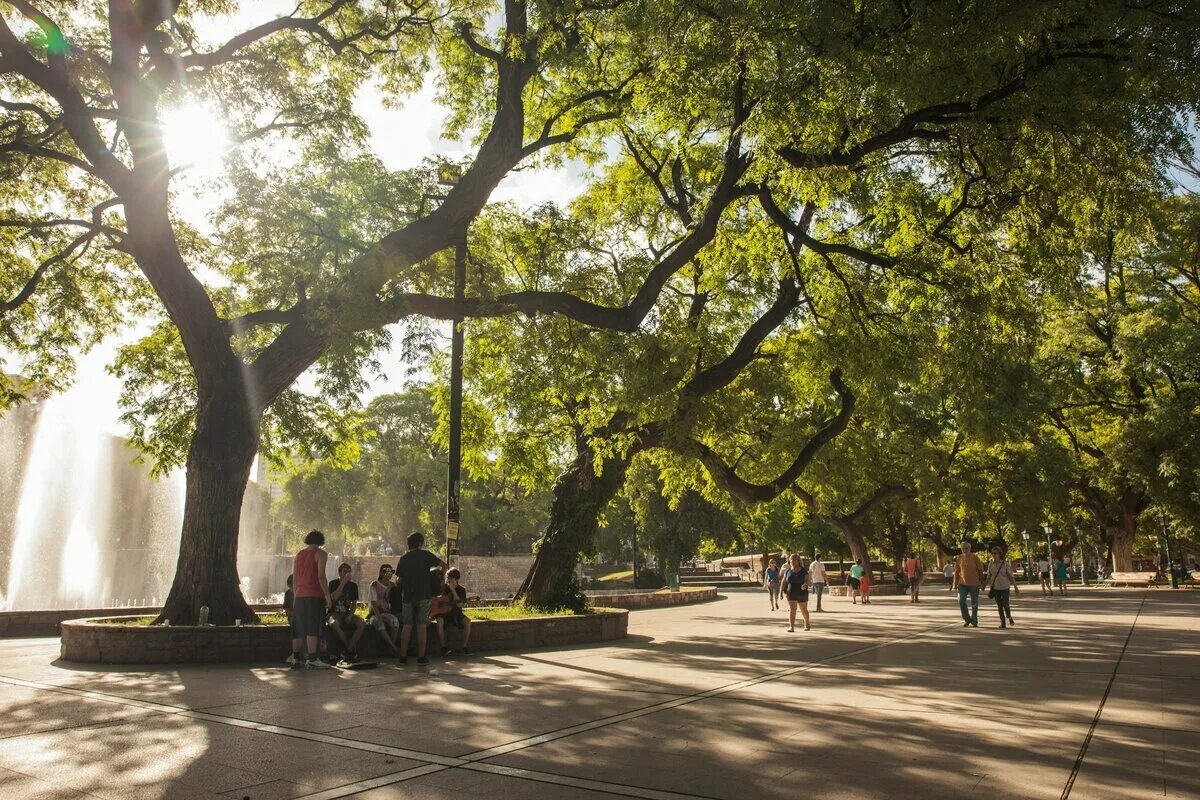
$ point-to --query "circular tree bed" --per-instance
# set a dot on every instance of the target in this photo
(127, 640)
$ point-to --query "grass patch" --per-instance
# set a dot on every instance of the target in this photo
(615, 577)
(516, 611)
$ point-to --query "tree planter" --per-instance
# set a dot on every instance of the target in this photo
(108, 640)
(642, 600)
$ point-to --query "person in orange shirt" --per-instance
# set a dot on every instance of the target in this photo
(968, 572)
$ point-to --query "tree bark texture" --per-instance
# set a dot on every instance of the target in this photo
(218, 467)
(580, 495)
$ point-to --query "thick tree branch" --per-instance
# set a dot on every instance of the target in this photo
(725, 475)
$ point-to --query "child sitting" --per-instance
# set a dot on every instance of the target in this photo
(453, 596)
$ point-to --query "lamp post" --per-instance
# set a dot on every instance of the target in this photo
(1166, 534)
(1049, 551)
(1028, 558)
(454, 468)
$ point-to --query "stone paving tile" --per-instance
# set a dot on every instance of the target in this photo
(707, 748)
(27, 787)
(271, 790)
(951, 713)
(24, 711)
(176, 755)
(459, 784)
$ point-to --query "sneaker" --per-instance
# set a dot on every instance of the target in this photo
(974, 624)
(1002, 625)
(351, 658)
(315, 663)
(446, 651)
(1011, 623)
(967, 624)
(293, 660)
(791, 630)
(422, 660)
(807, 628)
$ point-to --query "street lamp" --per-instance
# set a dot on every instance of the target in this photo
(1166, 534)
(1049, 551)
(1028, 557)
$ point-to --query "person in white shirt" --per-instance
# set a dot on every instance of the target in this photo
(1043, 568)
(1001, 581)
(817, 578)
(948, 571)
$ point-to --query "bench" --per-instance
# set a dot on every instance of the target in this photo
(1132, 579)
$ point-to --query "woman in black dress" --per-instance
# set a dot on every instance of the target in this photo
(795, 586)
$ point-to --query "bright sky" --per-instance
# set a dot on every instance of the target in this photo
(401, 137)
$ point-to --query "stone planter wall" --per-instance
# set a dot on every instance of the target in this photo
(642, 600)
(46, 622)
(92, 641)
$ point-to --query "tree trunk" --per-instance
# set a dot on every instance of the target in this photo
(1121, 542)
(218, 468)
(854, 540)
(580, 495)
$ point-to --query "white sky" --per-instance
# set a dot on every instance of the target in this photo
(401, 137)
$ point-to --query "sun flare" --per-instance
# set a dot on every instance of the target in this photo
(196, 138)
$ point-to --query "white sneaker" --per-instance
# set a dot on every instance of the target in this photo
(291, 660)
(313, 663)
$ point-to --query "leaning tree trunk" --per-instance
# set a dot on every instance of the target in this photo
(218, 468)
(580, 495)
(854, 540)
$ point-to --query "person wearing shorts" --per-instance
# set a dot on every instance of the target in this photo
(414, 568)
(771, 579)
(311, 600)
(795, 588)
(853, 582)
(382, 618)
(346, 625)
(1044, 574)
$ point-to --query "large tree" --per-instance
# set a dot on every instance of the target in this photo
(842, 109)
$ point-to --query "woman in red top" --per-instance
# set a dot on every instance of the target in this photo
(311, 600)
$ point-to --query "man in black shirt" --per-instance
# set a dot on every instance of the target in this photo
(347, 625)
(415, 570)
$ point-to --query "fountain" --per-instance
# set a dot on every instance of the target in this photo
(84, 525)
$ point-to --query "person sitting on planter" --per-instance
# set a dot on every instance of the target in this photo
(345, 624)
(454, 594)
(382, 616)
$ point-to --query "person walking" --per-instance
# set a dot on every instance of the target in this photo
(796, 590)
(817, 578)
(968, 572)
(854, 581)
(771, 579)
(948, 572)
(912, 570)
(311, 599)
(864, 586)
(1060, 576)
(1001, 581)
(1043, 568)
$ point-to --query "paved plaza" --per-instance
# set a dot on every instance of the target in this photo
(1092, 696)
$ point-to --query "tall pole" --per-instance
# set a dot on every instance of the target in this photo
(454, 471)
(1166, 533)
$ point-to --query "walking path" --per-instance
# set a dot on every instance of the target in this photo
(1090, 697)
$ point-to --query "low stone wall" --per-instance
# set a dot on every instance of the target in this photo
(46, 622)
(91, 641)
(634, 601)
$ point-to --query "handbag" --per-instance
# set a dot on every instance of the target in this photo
(992, 588)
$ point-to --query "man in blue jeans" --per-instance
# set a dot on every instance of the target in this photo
(968, 572)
